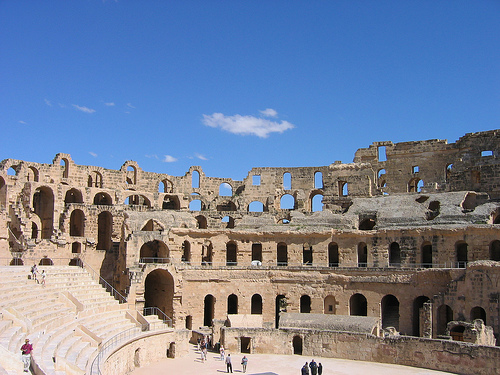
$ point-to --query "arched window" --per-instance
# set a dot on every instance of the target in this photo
(208, 311)
(495, 251)
(131, 176)
(32, 174)
(256, 307)
(201, 221)
(318, 180)
(390, 312)
(307, 255)
(317, 203)
(358, 305)
(413, 185)
(362, 255)
(330, 305)
(427, 255)
(104, 230)
(76, 223)
(102, 199)
(287, 181)
(333, 254)
(419, 317)
(195, 179)
(256, 206)
(367, 224)
(232, 304)
(287, 202)
(43, 205)
(186, 252)
(229, 221)
(461, 249)
(343, 189)
(305, 304)
(195, 204)
(478, 312)
(65, 164)
(225, 190)
(257, 252)
(444, 315)
(73, 196)
(381, 178)
(171, 202)
(231, 254)
(282, 254)
(206, 254)
(394, 255)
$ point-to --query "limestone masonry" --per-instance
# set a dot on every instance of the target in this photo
(403, 241)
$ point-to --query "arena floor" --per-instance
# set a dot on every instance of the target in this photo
(263, 364)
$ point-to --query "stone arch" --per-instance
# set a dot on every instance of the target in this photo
(94, 179)
(495, 250)
(104, 230)
(232, 304)
(358, 305)
(362, 255)
(77, 223)
(165, 186)
(444, 315)
(280, 306)
(229, 222)
(305, 304)
(394, 255)
(73, 196)
(316, 199)
(330, 305)
(367, 224)
(207, 253)
(152, 225)
(256, 206)
(208, 310)
(287, 181)
(76, 247)
(46, 261)
(186, 252)
(43, 206)
(195, 179)
(318, 180)
(33, 174)
(413, 185)
(282, 254)
(427, 254)
(201, 222)
(297, 346)
(225, 190)
(155, 251)
(461, 251)
(333, 254)
(65, 164)
(231, 254)
(159, 289)
(75, 262)
(457, 332)
(137, 200)
(103, 199)
(390, 312)
(131, 175)
(287, 202)
(256, 304)
(417, 318)
(381, 178)
(226, 206)
(477, 312)
(171, 202)
(16, 261)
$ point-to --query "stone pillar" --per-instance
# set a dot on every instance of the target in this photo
(425, 316)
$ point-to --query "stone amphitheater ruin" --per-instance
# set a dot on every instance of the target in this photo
(400, 263)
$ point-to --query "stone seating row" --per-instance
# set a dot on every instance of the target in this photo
(66, 319)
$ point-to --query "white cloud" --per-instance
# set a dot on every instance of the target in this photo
(153, 156)
(169, 159)
(84, 109)
(61, 105)
(22, 122)
(245, 125)
(48, 102)
(200, 156)
(110, 104)
(269, 112)
(93, 154)
(130, 105)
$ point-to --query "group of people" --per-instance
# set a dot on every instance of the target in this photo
(316, 368)
(39, 277)
(203, 346)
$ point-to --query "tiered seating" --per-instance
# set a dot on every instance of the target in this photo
(66, 319)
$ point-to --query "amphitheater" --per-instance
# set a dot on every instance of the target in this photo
(393, 258)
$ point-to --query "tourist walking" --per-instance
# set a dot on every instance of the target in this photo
(244, 362)
(320, 368)
(229, 365)
(42, 276)
(26, 350)
(34, 271)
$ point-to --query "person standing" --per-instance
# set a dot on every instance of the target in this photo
(26, 350)
(229, 365)
(304, 370)
(314, 367)
(221, 352)
(244, 362)
(320, 368)
(43, 275)
(34, 271)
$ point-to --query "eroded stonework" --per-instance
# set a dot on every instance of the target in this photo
(408, 233)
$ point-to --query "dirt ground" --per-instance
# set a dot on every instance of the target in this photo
(264, 364)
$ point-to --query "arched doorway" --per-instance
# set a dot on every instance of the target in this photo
(390, 312)
(329, 305)
(358, 305)
(305, 304)
(297, 345)
(159, 291)
(104, 230)
(478, 312)
(232, 304)
(208, 311)
(43, 205)
(256, 307)
(444, 315)
(154, 252)
(280, 307)
(418, 304)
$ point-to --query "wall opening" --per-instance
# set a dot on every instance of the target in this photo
(287, 181)
(318, 180)
(444, 315)
(186, 252)
(418, 305)
(256, 206)
(358, 305)
(282, 254)
(43, 205)
(390, 312)
(362, 255)
(257, 252)
(195, 179)
(427, 255)
(297, 346)
(280, 307)
(287, 202)
(256, 304)
(330, 305)
(478, 312)
(317, 203)
(232, 304)
(333, 255)
(225, 190)
(307, 255)
(305, 304)
(381, 153)
(77, 223)
(231, 254)
(245, 344)
(495, 251)
(206, 254)
(256, 179)
(154, 252)
(394, 255)
(208, 311)
(461, 249)
(73, 196)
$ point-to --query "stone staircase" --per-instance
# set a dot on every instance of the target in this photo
(66, 320)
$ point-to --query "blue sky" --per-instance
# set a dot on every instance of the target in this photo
(231, 85)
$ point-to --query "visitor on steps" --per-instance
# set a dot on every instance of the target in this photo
(26, 350)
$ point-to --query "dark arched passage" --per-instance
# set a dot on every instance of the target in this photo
(159, 291)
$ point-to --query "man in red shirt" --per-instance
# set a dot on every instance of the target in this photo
(26, 350)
